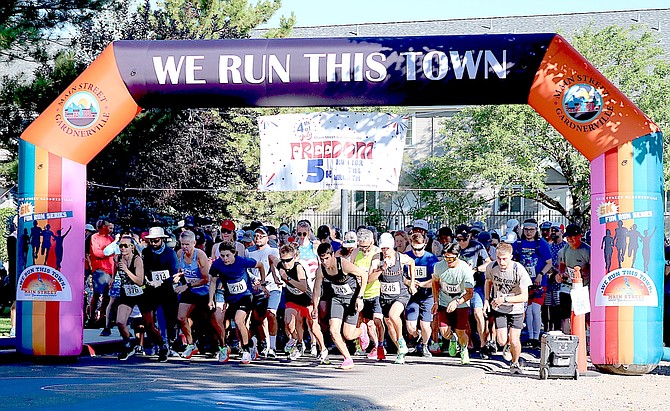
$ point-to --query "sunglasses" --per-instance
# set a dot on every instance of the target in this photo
(461, 239)
(259, 235)
(302, 234)
(124, 245)
(155, 240)
(224, 231)
(450, 259)
(286, 260)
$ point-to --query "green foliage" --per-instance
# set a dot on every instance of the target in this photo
(376, 217)
(6, 216)
(509, 146)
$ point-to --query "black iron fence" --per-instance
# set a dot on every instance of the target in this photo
(395, 221)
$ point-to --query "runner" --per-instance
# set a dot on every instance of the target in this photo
(421, 303)
(269, 256)
(371, 318)
(506, 287)
(453, 287)
(298, 305)
(160, 265)
(347, 299)
(307, 245)
(231, 271)
(394, 294)
(130, 270)
(193, 289)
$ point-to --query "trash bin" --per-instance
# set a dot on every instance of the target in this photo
(558, 356)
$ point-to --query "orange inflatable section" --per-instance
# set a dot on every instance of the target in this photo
(90, 113)
(618, 121)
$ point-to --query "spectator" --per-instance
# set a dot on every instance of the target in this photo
(102, 267)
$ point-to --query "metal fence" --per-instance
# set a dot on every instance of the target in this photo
(395, 221)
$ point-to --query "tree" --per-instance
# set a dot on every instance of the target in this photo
(507, 145)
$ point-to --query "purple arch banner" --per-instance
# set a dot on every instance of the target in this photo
(543, 70)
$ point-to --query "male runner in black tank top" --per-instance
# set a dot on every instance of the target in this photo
(347, 281)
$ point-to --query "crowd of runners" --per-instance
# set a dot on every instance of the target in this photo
(257, 292)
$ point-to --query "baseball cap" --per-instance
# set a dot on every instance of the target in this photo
(422, 224)
(477, 226)
(386, 241)
(262, 229)
(462, 229)
(284, 229)
(572, 229)
(485, 238)
(189, 221)
(546, 225)
(350, 239)
(228, 225)
(556, 225)
(248, 236)
(89, 227)
(512, 223)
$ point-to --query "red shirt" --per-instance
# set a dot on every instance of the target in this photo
(98, 259)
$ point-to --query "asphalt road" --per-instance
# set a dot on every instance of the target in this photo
(104, 383)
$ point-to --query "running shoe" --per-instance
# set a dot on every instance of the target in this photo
(313, 351)
(465, 355)
(381, 353)
(372, 355)
(506, 354)
(246, 357)
(347, 364)
(290, 345)
(365, 338)
(453, 348)
(400, 358)
(189, 351)
(223, 355)
(138, 350)
(359, 349)
(295, 354)
(126, 352)
(253, 351)
(425, 352)
(106, 332)
(402, 348)
(485, 352)
(270, 353)
(515, 368)
(434, 348)
(323, 357)
(163, 353)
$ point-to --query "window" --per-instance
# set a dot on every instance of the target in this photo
(409, 137)
(509, 202)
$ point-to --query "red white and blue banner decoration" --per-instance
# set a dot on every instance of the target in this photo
(323, 151)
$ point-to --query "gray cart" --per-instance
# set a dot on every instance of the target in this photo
(558, 356)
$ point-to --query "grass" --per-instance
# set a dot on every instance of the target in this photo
(5, 324)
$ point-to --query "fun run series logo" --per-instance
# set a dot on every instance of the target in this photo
(82, 110)
(43, 283)
(580, 101)
(626, 287)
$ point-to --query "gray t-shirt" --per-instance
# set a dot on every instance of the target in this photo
(508, 283)
(581, 256)
(453, 281)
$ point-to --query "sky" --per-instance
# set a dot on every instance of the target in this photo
(320, 13)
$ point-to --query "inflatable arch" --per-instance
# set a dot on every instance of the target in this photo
(543, 70)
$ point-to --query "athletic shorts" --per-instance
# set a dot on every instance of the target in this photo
(274, 300)
(508, 320)
(387, 304)
(344, 309)
(101, 281)
(371, 306)
(566, 305)
(243, 304)
(155, 297)
(420, 308)
(477, 300)
(301, 309)
(189, 297)
(457, 319)
(259, 304)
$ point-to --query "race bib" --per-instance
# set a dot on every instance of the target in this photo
(390, 288)
(570, 272)
(132, 290)
(420, 272)
(238, 287)
(342, 289)
(451, 288)
(160, 275)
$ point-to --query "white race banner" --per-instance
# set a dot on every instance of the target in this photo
(316, 151)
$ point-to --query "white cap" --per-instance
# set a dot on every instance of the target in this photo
(386, 241)
(350, 239)
(512, 223)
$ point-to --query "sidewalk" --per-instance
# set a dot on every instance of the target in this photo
(92, 339)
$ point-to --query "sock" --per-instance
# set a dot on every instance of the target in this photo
(273, 342)
(380, 344)
(401, 342)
